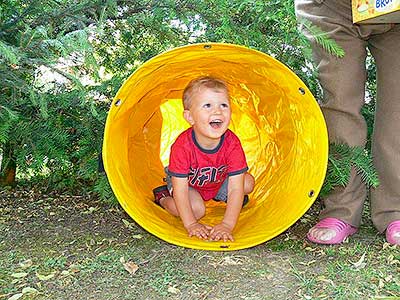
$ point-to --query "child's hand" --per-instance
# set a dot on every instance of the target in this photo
(221, 231)
(199, 230)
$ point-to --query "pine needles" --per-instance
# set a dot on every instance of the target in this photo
(322, 38)
(342, 158)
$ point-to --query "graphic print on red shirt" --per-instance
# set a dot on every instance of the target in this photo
(206, 169)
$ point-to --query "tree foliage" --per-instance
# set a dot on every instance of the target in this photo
(44, 117)
(63, 61)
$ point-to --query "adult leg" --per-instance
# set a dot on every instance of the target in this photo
(343, 82)
(385, 199)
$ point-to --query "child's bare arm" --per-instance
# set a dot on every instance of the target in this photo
(182, 202)
(223, 230)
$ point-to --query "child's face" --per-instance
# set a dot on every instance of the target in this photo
(209, 114)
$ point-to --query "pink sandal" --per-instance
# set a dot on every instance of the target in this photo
(342, 229)
(391, 230)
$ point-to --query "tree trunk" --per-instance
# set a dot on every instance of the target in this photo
(8, 167)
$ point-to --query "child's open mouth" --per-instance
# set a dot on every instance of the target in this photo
(216, 124)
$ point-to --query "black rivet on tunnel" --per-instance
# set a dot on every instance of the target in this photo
(207, 47)
(118, 102)
(302, 91)
(311, 193)
(224, 246)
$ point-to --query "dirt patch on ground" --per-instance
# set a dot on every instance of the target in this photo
(76, 247)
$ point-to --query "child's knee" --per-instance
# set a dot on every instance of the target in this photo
(249, 183)
(199, 209)
(197, 204)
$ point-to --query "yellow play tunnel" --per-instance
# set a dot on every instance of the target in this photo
(273, 113)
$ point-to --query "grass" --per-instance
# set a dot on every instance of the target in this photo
(75, 247)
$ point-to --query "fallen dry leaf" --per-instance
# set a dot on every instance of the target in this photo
(173, 290)
(310, 249)
(74, 269)
(131, 267)
(128, 224)
(360, 264)
(388, 278)
(45, 277)
(16, 296)
(26, 264)
(381, 284)
(19, 275)
(232, 260)
(307, 263)
(29, 290)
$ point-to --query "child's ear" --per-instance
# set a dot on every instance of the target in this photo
(188, 116)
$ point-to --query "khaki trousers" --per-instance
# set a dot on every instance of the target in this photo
(343, 82)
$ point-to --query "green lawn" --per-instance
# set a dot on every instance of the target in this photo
(75, 247)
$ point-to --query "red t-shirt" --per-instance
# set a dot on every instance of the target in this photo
(206, 169)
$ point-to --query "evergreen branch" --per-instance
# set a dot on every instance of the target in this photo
(12, 115)
(104, 191)
(75, 80)
(321, 37)
(8, 53)
(341, 150)
(364, 166)
(339, 171)
(341, 159)
(7, 120)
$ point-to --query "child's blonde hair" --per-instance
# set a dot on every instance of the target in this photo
(202, 82)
